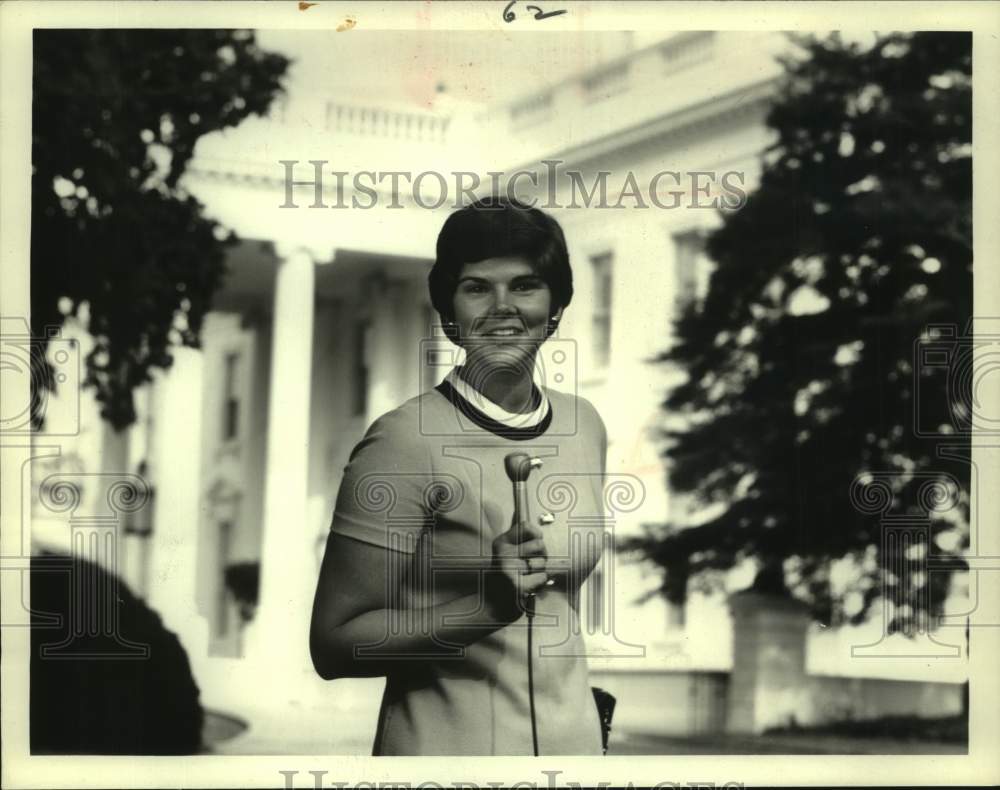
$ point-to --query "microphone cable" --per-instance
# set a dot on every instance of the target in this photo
(530, 607)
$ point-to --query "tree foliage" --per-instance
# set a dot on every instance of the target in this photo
(802, 362)
(117, 703)
(116, 115)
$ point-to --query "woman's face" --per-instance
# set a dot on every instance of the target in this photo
(502, 308)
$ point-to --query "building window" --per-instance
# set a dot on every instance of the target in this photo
(687, 49)
(333, 113)
(431, 327)
(362, 331)
(438, 355)
(222, 598)
(231, 396)
(607, 82)
(531, 110)
(601, 270)
(689, 267)
(596, 600)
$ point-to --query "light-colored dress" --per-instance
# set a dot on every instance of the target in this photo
(428, 481)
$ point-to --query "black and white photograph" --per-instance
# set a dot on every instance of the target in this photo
(606, 389)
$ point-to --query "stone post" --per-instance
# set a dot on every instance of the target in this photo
(769, 651)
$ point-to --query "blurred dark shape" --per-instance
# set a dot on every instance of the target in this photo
(800, 364)
(107, 705)
(116, 114)
(770, 580)
(243, 581)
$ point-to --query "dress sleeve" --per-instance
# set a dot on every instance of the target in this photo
(383, 496)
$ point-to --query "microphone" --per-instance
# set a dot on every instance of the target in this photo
(518, 466)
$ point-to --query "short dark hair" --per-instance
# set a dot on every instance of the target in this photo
(499, 227)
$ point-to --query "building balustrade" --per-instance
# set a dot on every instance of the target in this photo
(383, 122)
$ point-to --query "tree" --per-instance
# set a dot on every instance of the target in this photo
(116, 115)
(116, 703)
(798, 363)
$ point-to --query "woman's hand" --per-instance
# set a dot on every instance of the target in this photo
(518, 569)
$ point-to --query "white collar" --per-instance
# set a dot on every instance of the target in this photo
(495, 412)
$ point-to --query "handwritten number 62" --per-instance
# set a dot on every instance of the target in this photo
(510, 16)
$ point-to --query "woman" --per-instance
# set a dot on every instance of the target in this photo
(426, 577)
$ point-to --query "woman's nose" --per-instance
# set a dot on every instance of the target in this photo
(501, 301)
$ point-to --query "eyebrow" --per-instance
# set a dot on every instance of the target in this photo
(516, 278)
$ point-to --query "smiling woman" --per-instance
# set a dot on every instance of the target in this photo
(433, 575)
(501, 282)
(501, 315)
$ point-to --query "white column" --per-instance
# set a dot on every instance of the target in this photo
(176, 473)
(279, 634)
(382, 347)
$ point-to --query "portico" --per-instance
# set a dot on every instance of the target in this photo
(300, 352)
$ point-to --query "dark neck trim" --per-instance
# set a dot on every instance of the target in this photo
(488, 423)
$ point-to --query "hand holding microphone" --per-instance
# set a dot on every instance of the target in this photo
(519, 553)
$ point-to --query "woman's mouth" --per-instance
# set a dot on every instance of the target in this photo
(504, 332)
